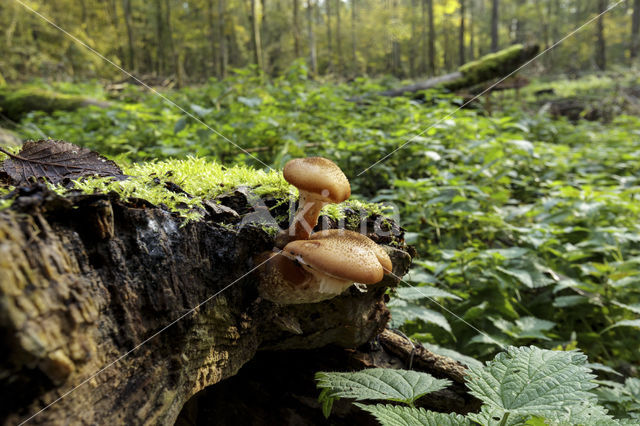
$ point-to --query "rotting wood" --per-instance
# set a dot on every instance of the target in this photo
(85, 279)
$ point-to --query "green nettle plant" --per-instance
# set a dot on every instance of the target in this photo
(523, 385)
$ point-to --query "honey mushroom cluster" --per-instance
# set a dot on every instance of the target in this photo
(313, 267)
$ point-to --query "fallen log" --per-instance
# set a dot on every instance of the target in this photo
(489, 67)
(17, 102)
(279, 387)
(139, 311)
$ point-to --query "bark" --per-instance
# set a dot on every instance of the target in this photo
(494, 25)
(329, 37)
(432, 39)
(98, 293)
(354, 57)
(635, 30)
(487, 68)
(296, 28)
(461, 39)
(255, 37)
(212, 37)
(126, 7)
(160, 45)
(423, 38)
(412, 41)
(339, 38)
(601, 45)
(313, 60)
(222, 42)
(278, 388)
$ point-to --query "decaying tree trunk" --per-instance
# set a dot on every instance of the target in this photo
(489, 67)
(98, 293)
(16, 102)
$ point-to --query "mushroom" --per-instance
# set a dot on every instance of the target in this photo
(319, 182)
(309, 271)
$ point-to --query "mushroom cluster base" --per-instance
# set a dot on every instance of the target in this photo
(85, 280)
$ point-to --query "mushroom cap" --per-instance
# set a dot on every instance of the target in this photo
(380, 253)
(341, 255)
(317, 175)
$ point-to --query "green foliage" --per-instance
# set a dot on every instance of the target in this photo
(393, 415)
(522, 385)
(379, 383)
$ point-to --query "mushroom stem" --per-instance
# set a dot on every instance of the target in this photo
(305, 219)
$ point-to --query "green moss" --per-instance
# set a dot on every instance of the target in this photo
(490, 66)
(202, 180)
(18, 102)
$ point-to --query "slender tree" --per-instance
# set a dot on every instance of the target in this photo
(412, 41)
(313, 60)
(432, 39)
(461, 40)
(339, 38)
(126, 7)
(222, 41)
(255, 36)
(296, 28)
(354, 58)
(423, 38)
(635, 30)
(160, 45)
(601, 45)
(212, 37)
(329, 46)
(494, 25)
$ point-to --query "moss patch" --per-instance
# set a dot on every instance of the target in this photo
(15, 103)
(491, 66)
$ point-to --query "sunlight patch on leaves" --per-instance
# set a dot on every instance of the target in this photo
(379, 383)
(531, 381)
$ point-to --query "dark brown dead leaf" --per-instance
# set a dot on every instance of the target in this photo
(55, 161)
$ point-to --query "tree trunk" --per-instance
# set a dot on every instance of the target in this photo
(461, 40)
(212, 38)
(432, 39)
(313, 60)
(160, 46)
(339, 39)
(494, 25)
(396, 68)
(222, 42)
(141, 311)
(173, 69)
(354, 57)
(255, 37)
(423, 39)
(412, 41)
(472, 33)
(264, 37)
(485, 69)
(296, 28)
(635, 30)
(601, 45)
(126, 7)
(329, 37)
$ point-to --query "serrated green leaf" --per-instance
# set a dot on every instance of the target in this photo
(624, 323)
(380, 383)
(424, 292)
(403, 311)
(393, 415)
(531, 381)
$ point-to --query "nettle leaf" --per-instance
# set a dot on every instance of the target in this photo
(423, 292)
(529, 381)
(393, 415)
(403, 311)
(635, 308)
(624, 323)
(379, 383)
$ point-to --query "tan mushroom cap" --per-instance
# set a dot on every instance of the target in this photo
(341, 255)
(380, 253)
(317, 174)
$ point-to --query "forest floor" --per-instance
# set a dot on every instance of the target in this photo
(522, 207)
